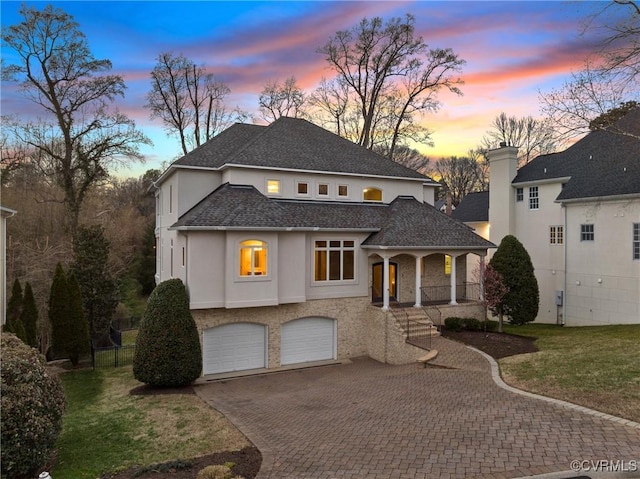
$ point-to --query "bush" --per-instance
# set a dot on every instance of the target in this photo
(214, 472)
(29, 316)
(32, 406)
(454, 324)
(469, 324)
(168, 352)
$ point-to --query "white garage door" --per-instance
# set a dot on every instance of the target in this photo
(234, 347)
(307, 339)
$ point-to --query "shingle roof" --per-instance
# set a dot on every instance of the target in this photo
(600, 164)
(292, 143)
(404, 222)
(473, 207)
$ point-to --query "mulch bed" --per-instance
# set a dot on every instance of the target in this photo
(496, 345)
(248, 460)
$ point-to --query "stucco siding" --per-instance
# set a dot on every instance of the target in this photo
(206, 269)
(193, 186)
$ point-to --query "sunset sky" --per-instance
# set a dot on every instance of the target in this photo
(513, 50)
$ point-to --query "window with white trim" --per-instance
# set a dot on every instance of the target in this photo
(587, 232)
(636, 240)
(556, 234)
(519, 194)
(323, 189)
(273, 187)
(372, 194)
(343, 191)
(534, 199)
(253, 258)
(334, 260)
(303, 188)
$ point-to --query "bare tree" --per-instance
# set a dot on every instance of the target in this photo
(189, 101)
(383, 64)
(532, 137)
(609, 79)
(458, 176)
(411, 158)
(81, 137)
(282, 99)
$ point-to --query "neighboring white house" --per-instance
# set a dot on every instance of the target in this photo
(295, 244)
(578, 215)
(4, 214)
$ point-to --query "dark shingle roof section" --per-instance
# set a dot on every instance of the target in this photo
(600, 164)
(293, 143)
(403, 223)
(413, 224)
(473, 207)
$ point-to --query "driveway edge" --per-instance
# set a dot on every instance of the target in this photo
(495, 374)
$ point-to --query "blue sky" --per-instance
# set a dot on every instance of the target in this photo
(513, 50)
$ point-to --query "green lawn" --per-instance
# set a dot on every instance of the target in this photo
(107, 429)
(597, 367)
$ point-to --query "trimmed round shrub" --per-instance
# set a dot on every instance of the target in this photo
(32, 406)
(168, 352)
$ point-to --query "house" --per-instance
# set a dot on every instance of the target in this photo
(577, 213)
(296, 246)
(4, 214)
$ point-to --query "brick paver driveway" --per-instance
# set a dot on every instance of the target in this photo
(371, 420)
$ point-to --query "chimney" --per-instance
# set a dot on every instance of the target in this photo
(503, 167)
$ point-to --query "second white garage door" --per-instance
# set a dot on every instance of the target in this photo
(307, 339)
(234, 347)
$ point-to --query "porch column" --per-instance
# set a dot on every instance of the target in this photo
(481, 280)
(385, 284)
(418, 282)
(453, 280)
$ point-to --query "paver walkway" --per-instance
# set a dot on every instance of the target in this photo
(370, 420)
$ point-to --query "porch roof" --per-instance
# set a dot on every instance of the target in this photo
(405, 222)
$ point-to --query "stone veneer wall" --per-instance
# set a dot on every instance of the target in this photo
(363, 329)
(350, 313)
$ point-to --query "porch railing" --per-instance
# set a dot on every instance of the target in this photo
(442, 294)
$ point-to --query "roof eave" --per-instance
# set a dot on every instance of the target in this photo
(544, 181)
(592, 199)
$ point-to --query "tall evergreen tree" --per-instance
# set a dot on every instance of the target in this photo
(77, 343)
(146, 263)
(520, 303)
(59, 312)
(14, 307)
(29, 317)
(98, 287)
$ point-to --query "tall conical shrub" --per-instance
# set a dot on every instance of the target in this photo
(59, 312)
(14, 308)
(77, 341)
(29, 316)
(168, 352)
(520, 304)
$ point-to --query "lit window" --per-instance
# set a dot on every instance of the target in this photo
(334, 260)
(273, 187)
(556, 234)
(519, 194)
(323, 189)
(253, 258)
(447, 264)
(636, 240)
(343, 190)
(533, 198)
(303, 188)
(587, 233)
(372, 194)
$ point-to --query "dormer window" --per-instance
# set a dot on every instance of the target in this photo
(343, 191)
(372, 194)
(303, 188)
(273, 187)
(323, 189)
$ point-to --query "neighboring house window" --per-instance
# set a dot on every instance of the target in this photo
(273, 187)
(519, 194)
(334, 260)
(587, 233)
(171, 260)
(343, 190)
(323, 189)
(303, 188)
(447, 264)
(170, 198)
(556, 234)
(253, 258)
(533, 198)
(372, 194)
(636, 240)
(184, 256)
